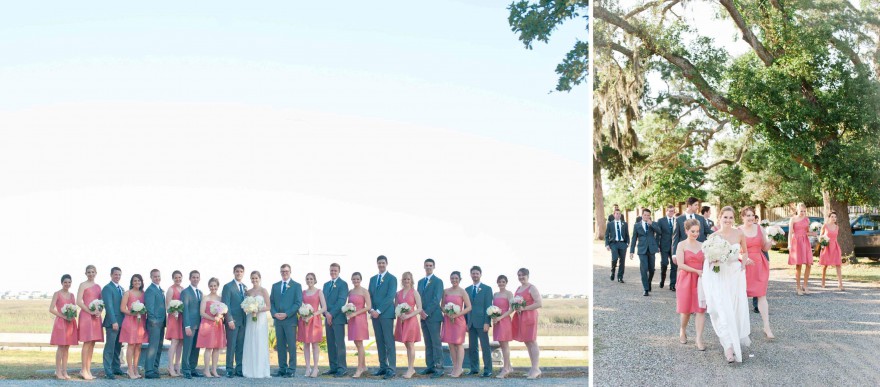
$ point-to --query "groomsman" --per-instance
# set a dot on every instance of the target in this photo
(191, 297)
(284, 303)
(645, 235)
(233, 294)
(478, 323)
(154, 300)
(611, 217)
(667, 226)
(707, 214)
(336, 295)
(431, 290)
(383, 289)
(616, 241)
(679, 234)
(112, 296)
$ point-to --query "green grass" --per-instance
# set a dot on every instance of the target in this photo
(864, 271)
(26, 316)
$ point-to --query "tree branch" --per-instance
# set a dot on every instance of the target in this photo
(747, 33)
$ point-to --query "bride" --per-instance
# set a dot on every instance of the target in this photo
(255, 360)
(725, 292)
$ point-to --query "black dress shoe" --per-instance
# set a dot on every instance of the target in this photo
(153, 376)
(187, 376)
(239, 374)
(119, 373)
(649, 288)
(339, 374)
(672, 288)
(110, 377)
(389, 374)
(379, 373)
(426, 371)
(473, 372)
(330, 372)
(620, 280)
(436, 375)
(486, 374)
(661, 284)
(646, 293)
(612, 277)
(230, 375)
(198, 375)
(757, 311)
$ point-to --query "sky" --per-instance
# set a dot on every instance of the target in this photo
(199, 135)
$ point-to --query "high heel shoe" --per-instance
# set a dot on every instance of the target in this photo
(731, 357)
(357, 373)
(701, 346)
(308, 372)
(502, 374)
(315, 372)
(535, 376)
(682, 339)
(769, 336)
(799, 292)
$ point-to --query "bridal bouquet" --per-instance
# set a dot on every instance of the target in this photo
(175, 307)
(718, 251)
(402, 309)
(138, 308)
(493, 312)
(518, 303)
(69, 311)
(451, 309)
(306, 311)
(815, 226)
(96, 306)
(776, 233)
(765, 222)
(252, 306)
(824, 240)
(348, 309)
(218, 310)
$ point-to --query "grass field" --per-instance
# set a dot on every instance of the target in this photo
(558, 317)
(865, 271)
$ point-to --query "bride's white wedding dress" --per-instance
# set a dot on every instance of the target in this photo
(727, 304)
(255, 359)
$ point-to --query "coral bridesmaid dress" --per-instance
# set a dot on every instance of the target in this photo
(90, 326)
(211, 334)
(453, 330)
(686, 298)
(758, 273)
(830, 254)
(64, 332)
(799, 251)
(134, 330)
(357, 326)
(407, 330)
(525, 324)
(313, 331)
(174, 325)
(502, 331)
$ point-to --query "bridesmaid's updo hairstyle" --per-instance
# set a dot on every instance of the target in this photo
(523, 271)
(91, 267)
(406, 275)
(176, 272)
(691, 223)
(257, 273)
(313, 277)
(66, 277)
(357, 274)
(131, 282)
(502, 277)
(745, 210)
(455, 274)
(213, 280)
(728, 208)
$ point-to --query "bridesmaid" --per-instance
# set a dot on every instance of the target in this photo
(525, 321)
(357, 321)
(454, 326)
(758, 273)
(212, 332)
(134, 329)
(830, 255)
(174, 326)
(799, 251)
(407, 329)
(689, 272)
(64, 332)
(501, 331)
(90, 328)
(310, 332)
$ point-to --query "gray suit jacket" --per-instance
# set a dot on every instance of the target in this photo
(432, 295)
(645, 238)
(477, 316)
(154, 300)
(666, 229)
(112, 301)
(288, 303)
(336, 297)
(611, 234)
(232, 297)
(191, 314)
(679, 233)
(382, 294)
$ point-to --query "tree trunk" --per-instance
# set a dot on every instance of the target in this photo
(598, 198)
(844, 236)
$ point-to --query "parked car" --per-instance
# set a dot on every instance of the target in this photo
(783, 223)
(866, 236)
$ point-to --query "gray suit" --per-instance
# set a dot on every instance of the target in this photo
(336, 295)
(192, 317)
(431, 294)
(476, 318)
(666, 229)
(618, 245)
(382, 295)
(154, 300)
(679, 233)
(286, 300)
(645, 240)
(232, 296)
(112, 296)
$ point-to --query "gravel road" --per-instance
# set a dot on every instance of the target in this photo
(826, 338)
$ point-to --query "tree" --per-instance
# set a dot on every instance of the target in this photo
(808, 86)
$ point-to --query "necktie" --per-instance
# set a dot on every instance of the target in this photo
(241, 290)
(120, 289)
(474, 292)
(199, 296)
(332, 284)
(617, 226)
(283, 287)
(644, 227)
(380, 280)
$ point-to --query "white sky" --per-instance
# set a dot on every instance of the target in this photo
(202, 137)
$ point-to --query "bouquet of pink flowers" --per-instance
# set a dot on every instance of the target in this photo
(218, 310)
(518, 303)
(69, 311)
(451, 309)
(493, 312)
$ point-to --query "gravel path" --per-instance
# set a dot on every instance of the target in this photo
(826, 338)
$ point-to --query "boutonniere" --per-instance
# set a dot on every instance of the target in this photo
(334, 285)
(427, 283)
(478, 290)
(286, 285)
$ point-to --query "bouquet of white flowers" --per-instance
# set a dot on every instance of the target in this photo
(348, 309)
(218, 310)
(138, 308)
(402, 309)
(69, 311)
(493, 312)
(306, 311)
(765, 222)
(824, 240)
(775, 233)
(718, 251)
(175, 307)
(815, 226)
(252, 306)
(96, 306)
(451, 309)
(518, 303)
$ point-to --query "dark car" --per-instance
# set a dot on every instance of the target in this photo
(866, 236)
(783, 223)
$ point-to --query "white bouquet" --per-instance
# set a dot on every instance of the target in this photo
(718, 251)
(252, 306)
(518, 303)
(348, 309)
(815, 226)
(451, 309)
(493, 312)
(306, 311)
(776, 233)
(138, 308)
(175, 307)
(218, 310)
(69, 311)
(765, 222)
(96, 306)
(824, 240)
(402, 309)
